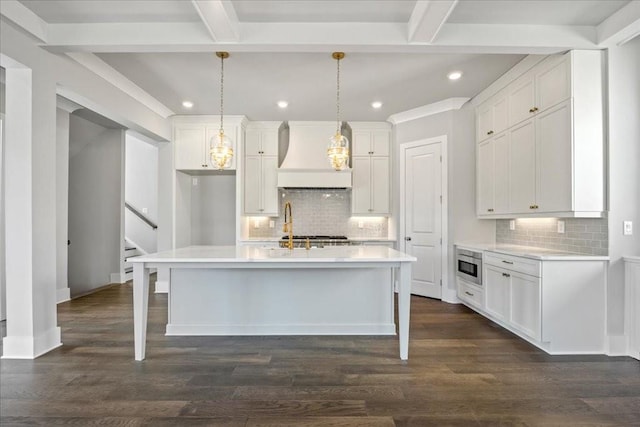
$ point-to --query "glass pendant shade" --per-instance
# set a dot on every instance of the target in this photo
(221, 152)
(338, 152)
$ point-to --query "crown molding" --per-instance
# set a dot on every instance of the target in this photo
(427, 110)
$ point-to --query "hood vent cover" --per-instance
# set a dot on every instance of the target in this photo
(305, 164)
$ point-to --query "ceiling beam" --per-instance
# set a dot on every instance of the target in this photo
(318, 37)
(427, 19)
(104, 70)
(20, 15)
(219, 16)
(620, 27)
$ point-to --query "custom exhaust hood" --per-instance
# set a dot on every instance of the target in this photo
(305, 164)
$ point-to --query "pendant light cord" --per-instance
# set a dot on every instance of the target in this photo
(338, 99)
(221, 93)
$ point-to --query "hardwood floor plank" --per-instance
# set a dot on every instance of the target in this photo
(463, 370)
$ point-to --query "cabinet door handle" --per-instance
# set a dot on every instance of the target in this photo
(532, 206)
(535, 109)
(489, 210)
(490, 132)
(468, 293)
(506, 274)
(507, 262)
(370, 152)
(535, 206)
(408, 239)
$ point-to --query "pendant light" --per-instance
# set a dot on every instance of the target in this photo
(338, 150)
(221, 150)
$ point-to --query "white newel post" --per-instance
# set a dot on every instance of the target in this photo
(30, 192)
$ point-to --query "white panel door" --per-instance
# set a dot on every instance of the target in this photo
(484, 121)
(423, 217)
(525, 304)
(497, 287)
(252, 142)
(521, 99)
(380, 141)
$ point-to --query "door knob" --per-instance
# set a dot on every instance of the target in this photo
(408, 239)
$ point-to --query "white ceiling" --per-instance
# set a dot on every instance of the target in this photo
(398, 51)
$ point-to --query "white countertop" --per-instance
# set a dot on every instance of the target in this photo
(246, 254)
(353, 239)
(532, 252)
(632, 258)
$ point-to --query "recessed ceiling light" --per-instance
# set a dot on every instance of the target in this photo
(283, 104)
(187, 104)
(454, 75)
(376, 104)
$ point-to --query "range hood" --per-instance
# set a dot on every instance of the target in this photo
(305, 164)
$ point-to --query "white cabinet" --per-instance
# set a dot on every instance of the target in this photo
(192, 139)
(371, 185)
(542, 87)
(492, 117)
(493, 166)
(470, 293)
(260, 185)
(497, 285)
(512, 292)
(557, 303)
(551, 158)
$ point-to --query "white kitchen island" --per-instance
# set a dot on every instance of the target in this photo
(244, 290)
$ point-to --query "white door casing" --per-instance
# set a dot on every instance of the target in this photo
(421, 207)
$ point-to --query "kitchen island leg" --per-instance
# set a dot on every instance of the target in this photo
(404, 302)
(140, 308)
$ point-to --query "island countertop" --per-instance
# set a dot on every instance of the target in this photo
(250, 254)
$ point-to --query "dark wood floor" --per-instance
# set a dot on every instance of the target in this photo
(463, 370)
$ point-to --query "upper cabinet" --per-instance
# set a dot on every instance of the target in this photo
(550, 159)
(260, 185)
(192, 138)
(542, 87)
(371, 147)
(492, 117)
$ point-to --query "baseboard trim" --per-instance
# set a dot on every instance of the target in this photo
(30, 347)
(162, 287)
(63, 295)
(618, 345)
(117, 278)
(305, 329)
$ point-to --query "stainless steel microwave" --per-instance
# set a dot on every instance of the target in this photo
(469, 265)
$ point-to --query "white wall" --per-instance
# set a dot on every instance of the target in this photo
(141, 192)
(62, 204)
(458, 126)
(96, 171)
(3, 290)
(624, 170)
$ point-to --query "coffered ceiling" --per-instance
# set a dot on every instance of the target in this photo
(398, 51)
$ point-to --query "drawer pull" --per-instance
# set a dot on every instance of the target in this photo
(506, 274)
(507, 262)
(490, 132)
(489, 210)
(468, 293)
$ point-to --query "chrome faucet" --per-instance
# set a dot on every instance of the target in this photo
(288, 225)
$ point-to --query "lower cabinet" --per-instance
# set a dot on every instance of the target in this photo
(557, 304)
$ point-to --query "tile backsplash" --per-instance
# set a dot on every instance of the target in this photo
(320, 212)
(582, 235)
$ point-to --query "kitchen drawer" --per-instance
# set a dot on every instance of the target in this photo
(513, 263)
(471, 294)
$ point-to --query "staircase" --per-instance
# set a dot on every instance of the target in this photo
(130, 251)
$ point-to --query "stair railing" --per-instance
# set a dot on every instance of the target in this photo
(141, 216)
